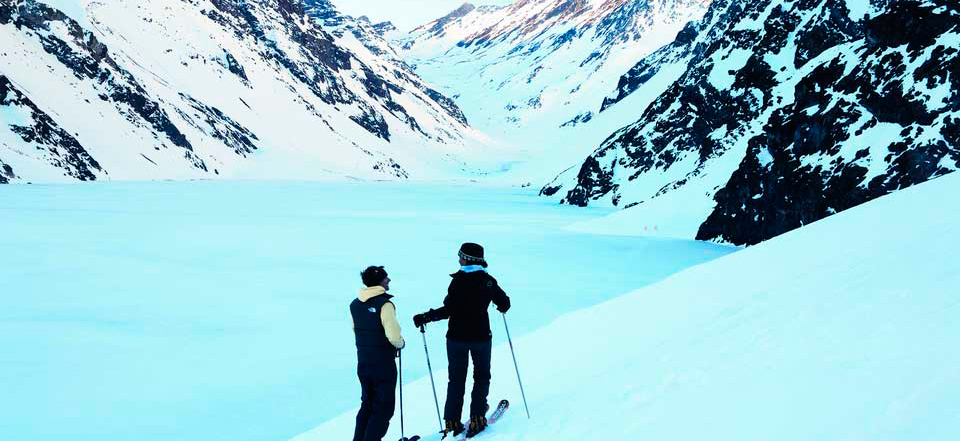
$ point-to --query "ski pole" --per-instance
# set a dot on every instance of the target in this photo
(436, 403)
(400, 357)
(515, 364)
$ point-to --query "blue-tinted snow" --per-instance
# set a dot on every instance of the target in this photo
(218, 311)
(845, 329)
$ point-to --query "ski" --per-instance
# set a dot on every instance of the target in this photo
(494, 416)
(498, 412)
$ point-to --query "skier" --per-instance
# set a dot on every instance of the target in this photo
(468, 297)
(378, 343)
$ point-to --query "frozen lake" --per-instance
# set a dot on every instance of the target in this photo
(219, 310)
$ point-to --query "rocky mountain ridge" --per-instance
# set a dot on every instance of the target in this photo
(532, 74)
(207, 88)
(786, 112)
(537, 54)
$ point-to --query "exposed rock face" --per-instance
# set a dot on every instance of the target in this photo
(6, 173)
(447, 104)
(384, 28)
(323, 58)
(150, 94)
(42, 134)
(787, 112)
(234, 66)
(81, 51)
(215, 123)
(372, 38)
(437, 26)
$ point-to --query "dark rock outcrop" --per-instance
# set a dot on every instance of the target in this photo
(42, 133)
(437, 26)
(818, 111)
(93, 62)
(758, 203)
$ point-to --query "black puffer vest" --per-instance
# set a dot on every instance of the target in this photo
(372, 343)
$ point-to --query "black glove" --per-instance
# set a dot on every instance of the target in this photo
(505, 307)
(419, 320)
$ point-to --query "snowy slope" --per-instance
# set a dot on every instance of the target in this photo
(217, 311)
(533, 74)
(826, 332)
(205, 88)
(785, 112)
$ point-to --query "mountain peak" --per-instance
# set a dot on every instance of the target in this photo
(464, 9)
(437, 25)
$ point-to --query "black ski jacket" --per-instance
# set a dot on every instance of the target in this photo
(468, 298)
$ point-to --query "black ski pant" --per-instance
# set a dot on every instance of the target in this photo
(457, 354)
(378, 382)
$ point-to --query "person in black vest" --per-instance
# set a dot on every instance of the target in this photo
(469, 296)
(378, 343)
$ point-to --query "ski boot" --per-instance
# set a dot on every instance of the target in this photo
(477, 424)
(454, 427)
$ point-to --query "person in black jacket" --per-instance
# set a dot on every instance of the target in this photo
(470, 293)
(378, 343)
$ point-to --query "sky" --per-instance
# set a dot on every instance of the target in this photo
(406, 14)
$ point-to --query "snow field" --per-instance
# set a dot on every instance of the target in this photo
(218, 310)
(843, 329)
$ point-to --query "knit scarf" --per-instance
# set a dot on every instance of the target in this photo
(472, 268)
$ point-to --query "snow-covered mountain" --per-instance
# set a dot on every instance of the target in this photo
(532, 74)
(372, 36)
(204, 88)
(785, 112)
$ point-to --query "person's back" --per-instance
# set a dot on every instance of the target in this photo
(373, 346)
(468, 299)
(377, 336)
(469, 296)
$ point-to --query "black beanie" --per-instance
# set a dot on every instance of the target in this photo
(373, 275)
(472, 253)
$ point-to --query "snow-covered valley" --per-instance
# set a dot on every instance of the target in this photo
(539, 70)
(263, 152)
(218, 311)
